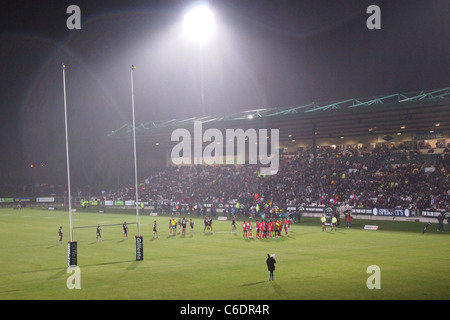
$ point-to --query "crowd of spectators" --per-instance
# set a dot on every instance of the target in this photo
(382, 177)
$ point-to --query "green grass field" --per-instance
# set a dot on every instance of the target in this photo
(311, 264)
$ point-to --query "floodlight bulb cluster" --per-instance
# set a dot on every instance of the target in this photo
(199, 24)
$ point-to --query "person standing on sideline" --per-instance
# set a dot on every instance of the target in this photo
(191, 224)
(348, 219)
(323, 220)
(271, 265)
(60, 233)
(333, 223)
(441, 222)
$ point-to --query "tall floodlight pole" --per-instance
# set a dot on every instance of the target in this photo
(72, 245)
(139, 242)
(199, 25)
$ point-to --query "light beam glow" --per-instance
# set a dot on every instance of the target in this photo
(199, 23)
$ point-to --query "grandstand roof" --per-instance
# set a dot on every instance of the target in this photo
(406, 112)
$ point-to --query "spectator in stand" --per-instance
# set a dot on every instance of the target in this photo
(382, 177)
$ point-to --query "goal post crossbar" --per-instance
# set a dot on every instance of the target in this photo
(104, 225)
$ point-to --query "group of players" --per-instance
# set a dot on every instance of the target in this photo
(265, 229)
(180, 225)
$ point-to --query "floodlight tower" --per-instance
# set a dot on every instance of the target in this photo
(199, 26)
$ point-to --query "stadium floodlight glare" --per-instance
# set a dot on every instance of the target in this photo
(199, 23)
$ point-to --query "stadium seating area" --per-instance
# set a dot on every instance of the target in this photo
(382, 177)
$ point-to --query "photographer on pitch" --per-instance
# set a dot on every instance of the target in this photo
(271, 265)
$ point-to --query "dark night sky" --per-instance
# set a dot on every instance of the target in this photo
(265, 54)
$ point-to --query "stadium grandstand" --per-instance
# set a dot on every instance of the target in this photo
(380, 152)
(396, 118)
(387, 152)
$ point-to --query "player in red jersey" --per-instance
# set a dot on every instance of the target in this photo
(244, 230)
(286, 226)
(271, 229)
(264, 229)
(276, 226)
(249, 229)
(258, 229)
